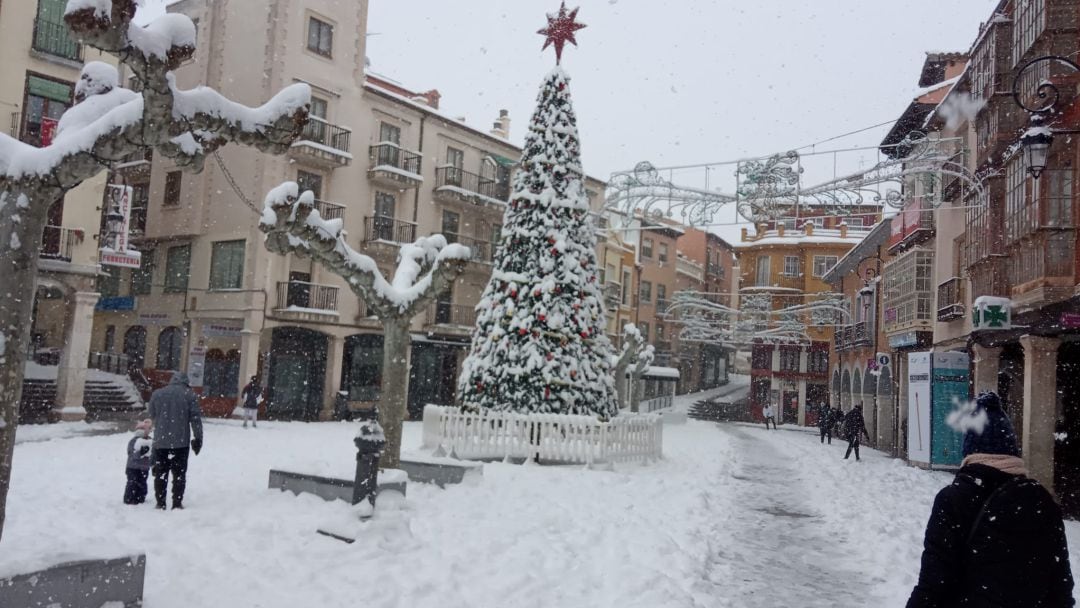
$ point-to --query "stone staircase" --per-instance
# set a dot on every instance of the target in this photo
(103, 399)
(719, 411)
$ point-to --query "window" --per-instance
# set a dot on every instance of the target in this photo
(227, 265)
(662, 252)
(389, 133)
(983, 66)
(818, 361)
(309, 181)
(659, 332)
(142, 278)
(51, 33)
(110, 338)
(140, 200)
(320, 37)
(172, 188)
(177, 268)
(455, 158)
(450, 223)
(789, 358)
(823, 263)
(1020, 211)
(108, 283)
(496, 234)
(626, 288)
(46, 100)
(646, 291)
(1028, 23)
(388, 152)
(646, 248)
(319, 107)
(643, 327)
(661, 293)
(1058, 198)
(221, 374)
(788, 224)
(908, 291)
(791, 265)
(763, 278)
(383, 222)
(761, 357)
(170, 348)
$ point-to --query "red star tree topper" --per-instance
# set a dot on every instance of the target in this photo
(560, 30)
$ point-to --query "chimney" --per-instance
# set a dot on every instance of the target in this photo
(744, 234)
(843, 230)
(501, 128)
(433, 96)
(808, 227)
(780, 229)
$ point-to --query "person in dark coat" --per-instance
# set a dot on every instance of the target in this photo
(825, 423)
(138, 464)
(837, 422)
(854, 428)
(250, 395)
(995, 537)
(176, 415)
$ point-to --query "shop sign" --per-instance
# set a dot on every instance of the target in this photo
(221, 330)
(989, 312)
(1070, 320)
(154, 318)
(116, 304)
(910, 338)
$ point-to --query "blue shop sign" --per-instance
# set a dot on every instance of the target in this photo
(119, 303)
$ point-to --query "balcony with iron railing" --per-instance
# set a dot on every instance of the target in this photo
(950, 300)
(58, 243)
(328, 210)
(479, 250)
(454, 184)
(53, 38)
(458, 315)
(860, 334)
(393, 166)
(323, 144)
(304, 297)
(388, 229)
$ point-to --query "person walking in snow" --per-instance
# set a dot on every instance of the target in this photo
(176, 415)
(767, 413)
(251, 398)
(854, 428)
(825, 422)
(995, 536)
(138, 464)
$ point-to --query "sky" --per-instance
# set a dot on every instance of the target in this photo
(679, 82)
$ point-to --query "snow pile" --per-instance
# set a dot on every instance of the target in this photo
(102, 8)
(156, 38)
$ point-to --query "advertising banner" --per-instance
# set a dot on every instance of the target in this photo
(117, 253)
(919, 407)
(949, 388)
(196, 366)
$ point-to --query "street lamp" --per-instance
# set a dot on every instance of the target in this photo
(1036, 141)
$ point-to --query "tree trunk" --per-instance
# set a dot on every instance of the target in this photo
(21, 223)
(635, 392)
(393, 400)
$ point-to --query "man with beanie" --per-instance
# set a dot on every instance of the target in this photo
(995, 537)
(176, 415)
(854, 428)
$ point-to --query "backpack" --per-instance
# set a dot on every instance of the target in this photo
(1013, 545)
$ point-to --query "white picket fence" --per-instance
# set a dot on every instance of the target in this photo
(551, 437)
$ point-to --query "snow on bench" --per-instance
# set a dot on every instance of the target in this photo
(551, 437)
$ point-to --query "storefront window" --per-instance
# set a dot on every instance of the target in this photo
(364, 358)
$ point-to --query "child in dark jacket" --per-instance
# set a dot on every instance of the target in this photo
(138, 464)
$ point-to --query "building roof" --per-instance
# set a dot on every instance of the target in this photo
(877, 237)
(821, 236)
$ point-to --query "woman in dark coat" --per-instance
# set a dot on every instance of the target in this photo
(995, 537)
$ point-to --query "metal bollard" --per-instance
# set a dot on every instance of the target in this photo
(370, 443)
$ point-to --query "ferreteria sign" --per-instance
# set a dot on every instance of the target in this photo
(989, 312)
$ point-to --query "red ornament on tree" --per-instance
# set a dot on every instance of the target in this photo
(522, 331)
(560, 30)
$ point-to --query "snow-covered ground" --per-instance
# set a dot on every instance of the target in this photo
(733, 516)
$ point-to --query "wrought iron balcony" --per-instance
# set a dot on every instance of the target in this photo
(59, 243)
(454, 184)
(445, 313)
(950, 300)
(394, 166)
(328, 210)
(480, 251)
(323, 144)
(301, 296)
(53, 38)
(380, 228)
(860, 334)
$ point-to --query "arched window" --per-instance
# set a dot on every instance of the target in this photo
(135, 346)
(170, 348)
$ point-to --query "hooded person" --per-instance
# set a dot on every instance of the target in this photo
(176, 415)
(138, 463)
(995, 536)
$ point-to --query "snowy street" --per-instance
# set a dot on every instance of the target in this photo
(733, 516)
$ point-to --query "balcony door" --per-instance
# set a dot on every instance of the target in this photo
(310, 181)
(299, 290)
(444, 308)
(763, 272)
(389, 154)
(385, 213)
(45, 102)
(451, 224)
(455, 160)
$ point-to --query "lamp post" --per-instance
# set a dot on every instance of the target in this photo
(1036, 141)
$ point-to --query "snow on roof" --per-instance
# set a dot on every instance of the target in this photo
(796, 237)
(654, 371)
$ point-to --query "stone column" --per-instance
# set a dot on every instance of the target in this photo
(249, 359)
(71, 377)
(987, 361)
(335, 352)
(1040, 406)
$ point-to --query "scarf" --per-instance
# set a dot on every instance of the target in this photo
(1013, 465)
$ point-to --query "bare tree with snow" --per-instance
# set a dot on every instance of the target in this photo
(426, 269)
(107, 124)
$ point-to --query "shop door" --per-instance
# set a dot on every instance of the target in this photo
(297, 368)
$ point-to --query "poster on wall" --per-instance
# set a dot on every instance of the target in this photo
(196, 366)
(919, 407)
(949, 387)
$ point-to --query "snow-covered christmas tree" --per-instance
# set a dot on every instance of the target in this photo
(539, 343)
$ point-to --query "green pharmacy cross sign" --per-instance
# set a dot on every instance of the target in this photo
(991, 313)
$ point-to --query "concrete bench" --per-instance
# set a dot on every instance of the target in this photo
(440, 471)
(111, 582)
(331, 488)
